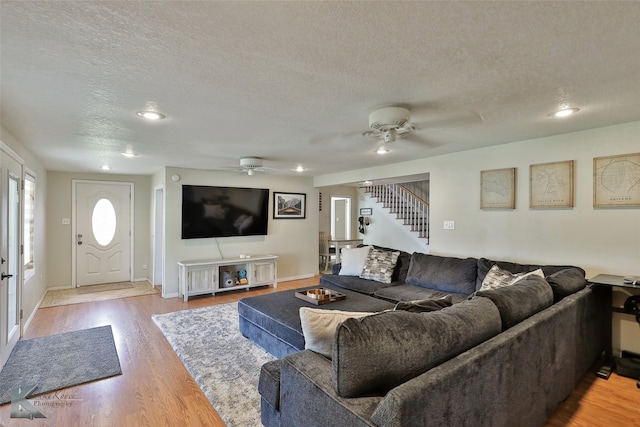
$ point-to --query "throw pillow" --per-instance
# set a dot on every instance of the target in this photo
(319, 326)
(528, 296)
(379, 265)
(352, 260)
(425, 305)
(566, 282)
(497, 278)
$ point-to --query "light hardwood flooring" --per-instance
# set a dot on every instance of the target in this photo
(156, 390)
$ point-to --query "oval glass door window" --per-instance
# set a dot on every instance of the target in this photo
(103, 222)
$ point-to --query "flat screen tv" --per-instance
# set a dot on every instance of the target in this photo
(223, 211)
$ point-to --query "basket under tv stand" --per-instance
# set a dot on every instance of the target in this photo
(211, 276)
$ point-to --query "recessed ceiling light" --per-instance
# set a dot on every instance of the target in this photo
(299, 169)
(106, 168)
(564, 112)
(129, 154)
(382, 150)
(151, 115)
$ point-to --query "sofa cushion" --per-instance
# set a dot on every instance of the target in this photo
(446, 274)
(378, 352)
(497, 278)
(352, 260)
(484, 265)
(521, 300)
(319, 326)
(425, 305)
(412, 292)
(566, 282)
(353, 283)
(379, 265)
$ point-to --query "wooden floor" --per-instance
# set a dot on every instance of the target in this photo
(156, 390)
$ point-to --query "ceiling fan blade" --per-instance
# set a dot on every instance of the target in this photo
(437, 120)
(415, 138)
(342, 141)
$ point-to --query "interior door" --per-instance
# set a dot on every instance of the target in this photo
(102, 232)
(10, 262)
(341, 217)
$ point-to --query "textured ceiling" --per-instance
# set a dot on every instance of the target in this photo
(294, 82)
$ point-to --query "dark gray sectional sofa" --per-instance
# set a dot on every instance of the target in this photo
(500, 357)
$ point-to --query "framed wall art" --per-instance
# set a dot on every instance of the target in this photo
(616, 180)
(551, 185)
(498, 189)
(289, 205)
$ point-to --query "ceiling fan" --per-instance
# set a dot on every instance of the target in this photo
(248, 165)
(251, 165)
(389, 124)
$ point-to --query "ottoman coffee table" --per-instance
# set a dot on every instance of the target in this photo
(273, 321)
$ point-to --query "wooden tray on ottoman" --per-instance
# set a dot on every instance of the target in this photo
(330, 296)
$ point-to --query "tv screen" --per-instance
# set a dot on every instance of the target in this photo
(223, 211)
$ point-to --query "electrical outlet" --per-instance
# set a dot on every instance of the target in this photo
(449, 225)
(144, 266)
(66, 221)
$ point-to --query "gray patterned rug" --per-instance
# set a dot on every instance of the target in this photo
(223, 363)
(60, 361)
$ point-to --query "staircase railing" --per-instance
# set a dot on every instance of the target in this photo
(405, 205)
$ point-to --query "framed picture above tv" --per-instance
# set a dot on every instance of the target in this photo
(289, 205)
(209, 211)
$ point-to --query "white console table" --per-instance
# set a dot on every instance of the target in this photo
(219, 275)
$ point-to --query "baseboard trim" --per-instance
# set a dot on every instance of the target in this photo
(303, 276)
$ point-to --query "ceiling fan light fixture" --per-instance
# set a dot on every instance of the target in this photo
(382, 150)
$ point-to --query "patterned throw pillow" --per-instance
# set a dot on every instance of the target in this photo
(379, 265)
(497, 278)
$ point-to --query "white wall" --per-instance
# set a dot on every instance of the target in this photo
(603, 240)
(295, 241)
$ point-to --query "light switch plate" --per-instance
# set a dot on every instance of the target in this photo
(449, 225)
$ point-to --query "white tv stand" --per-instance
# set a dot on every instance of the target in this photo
(208, 276)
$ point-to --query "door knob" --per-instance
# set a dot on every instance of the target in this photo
(4, 276)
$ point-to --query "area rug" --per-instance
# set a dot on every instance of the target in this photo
(97, 293)
(60, 361)
(223, 363)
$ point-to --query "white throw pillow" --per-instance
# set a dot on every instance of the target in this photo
(319, 327)
(352, 260)
(497, 278)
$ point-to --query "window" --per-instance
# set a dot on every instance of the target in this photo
(29, 215)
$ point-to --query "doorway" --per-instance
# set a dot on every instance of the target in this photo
(340, 217)
(10, 258)
(102, 230)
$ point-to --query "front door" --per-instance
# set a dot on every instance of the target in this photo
(102, 232)
(10, 263)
